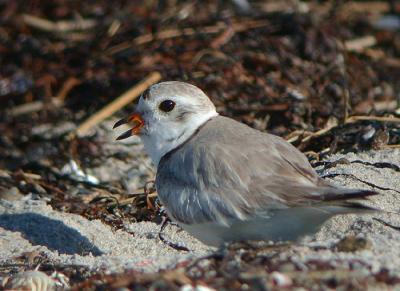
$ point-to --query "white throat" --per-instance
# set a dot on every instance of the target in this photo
(161, 141)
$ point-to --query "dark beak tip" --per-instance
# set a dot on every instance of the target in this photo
(120, 122)
(125, 135)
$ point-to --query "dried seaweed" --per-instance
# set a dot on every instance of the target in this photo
(322, 74)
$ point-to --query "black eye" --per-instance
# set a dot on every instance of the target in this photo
(167, 105)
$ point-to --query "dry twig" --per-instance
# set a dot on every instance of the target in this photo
(59, 26)
(173, 33)
(223, 38)
(67, 87)
(372, 118)
(360, 44)
(35, 106)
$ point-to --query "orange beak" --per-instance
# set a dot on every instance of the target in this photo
(138, 122)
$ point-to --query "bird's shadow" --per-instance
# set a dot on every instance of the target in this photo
(51, 233)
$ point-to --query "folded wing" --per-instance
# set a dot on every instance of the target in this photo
(231, 171)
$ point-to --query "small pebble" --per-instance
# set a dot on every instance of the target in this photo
(281, 280)
(11, 194)
(353, 244)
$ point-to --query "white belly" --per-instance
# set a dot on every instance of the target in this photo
(286, 225)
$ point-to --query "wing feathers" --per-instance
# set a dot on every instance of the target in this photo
(234, 171)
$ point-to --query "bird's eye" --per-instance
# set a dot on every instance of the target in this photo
(167, 105)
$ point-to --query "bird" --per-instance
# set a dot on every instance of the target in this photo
(223, 181)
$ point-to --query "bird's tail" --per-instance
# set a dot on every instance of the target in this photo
(349, 198)
(335, 194)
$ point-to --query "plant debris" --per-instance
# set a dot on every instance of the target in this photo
(324, 75)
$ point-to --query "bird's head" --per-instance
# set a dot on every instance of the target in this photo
(167, 114)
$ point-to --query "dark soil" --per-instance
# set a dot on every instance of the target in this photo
(283, 67)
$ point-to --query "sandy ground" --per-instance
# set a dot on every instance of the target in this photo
(65, 238)
(28, 225)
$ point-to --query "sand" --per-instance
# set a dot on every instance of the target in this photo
(29, 224)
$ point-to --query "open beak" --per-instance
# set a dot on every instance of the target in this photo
(137, 121)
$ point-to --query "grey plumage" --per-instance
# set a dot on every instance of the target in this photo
(224, 181)
(234, 174)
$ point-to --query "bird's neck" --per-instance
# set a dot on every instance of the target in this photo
(158, 145)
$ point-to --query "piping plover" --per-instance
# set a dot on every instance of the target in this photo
(224, 181)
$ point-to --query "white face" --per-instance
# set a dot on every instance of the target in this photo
(171, 112)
